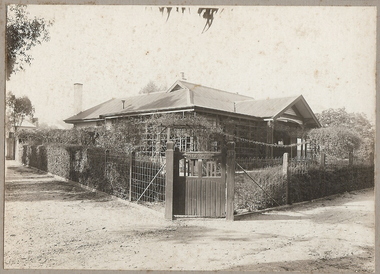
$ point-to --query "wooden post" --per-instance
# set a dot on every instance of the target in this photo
(131, 164)
(270, 132)
(350, 158)
(169, 180)
(285, 172)
(323, 160)
(230, 181)
(105, 163)
(168, 134)
(17, 149)
(199, 168)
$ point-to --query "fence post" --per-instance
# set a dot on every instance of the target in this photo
(131, 164)
(322, 180)
(285, 172)
(230, 181)
(105, 163)
(371, 158)
(323, 160)
(169, 180)
(350, 158)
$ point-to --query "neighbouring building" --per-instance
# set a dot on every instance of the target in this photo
(271, 121)
(12, 143)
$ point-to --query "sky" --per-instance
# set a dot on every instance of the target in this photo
(327, 54)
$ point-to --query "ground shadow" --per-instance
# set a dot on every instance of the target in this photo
(23, 170)
(269, 217)
(50, 190)
(176, 234)
(355, 263)
(337, 205)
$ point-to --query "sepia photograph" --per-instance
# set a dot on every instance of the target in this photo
(173, 137)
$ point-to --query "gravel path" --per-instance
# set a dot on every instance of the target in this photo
(52, 224)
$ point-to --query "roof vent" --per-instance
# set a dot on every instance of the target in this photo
(123, 102)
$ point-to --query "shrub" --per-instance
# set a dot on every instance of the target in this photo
(248, 195)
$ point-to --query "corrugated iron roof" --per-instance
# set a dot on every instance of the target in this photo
(156, 101)
(140, 103)
(96, 111)
(213, 98)
(185, 95)
(264, 108)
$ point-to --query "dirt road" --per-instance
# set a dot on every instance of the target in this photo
(55, 224)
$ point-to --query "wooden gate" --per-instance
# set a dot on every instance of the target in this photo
(196, 184)
(200, 188)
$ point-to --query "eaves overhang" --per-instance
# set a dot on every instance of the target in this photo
(145, 112)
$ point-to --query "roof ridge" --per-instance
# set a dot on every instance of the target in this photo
(144, 94)
(220, 90)
(275, 98)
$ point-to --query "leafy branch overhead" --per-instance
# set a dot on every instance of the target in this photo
(206, 13)
(22, 34)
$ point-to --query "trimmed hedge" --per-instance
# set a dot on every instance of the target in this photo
(318, 182)
(87, 166)
(304, 184)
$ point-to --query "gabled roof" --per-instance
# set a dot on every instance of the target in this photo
(267, 108)
(183, 95)
(206, 97)
(276, 107)
(27, 124)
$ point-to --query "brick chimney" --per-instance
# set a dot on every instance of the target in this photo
(78, 94)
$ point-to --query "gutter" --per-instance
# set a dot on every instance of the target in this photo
(145, 112)
(82, 120)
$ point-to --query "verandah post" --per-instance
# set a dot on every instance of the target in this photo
(169, 180)
(230, 181)
(285, 172)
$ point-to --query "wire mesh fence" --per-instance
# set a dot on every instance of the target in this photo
(315, 179)
(255, 163)
(147, 179)
(259, 189)
(300, 179)
(128, 176)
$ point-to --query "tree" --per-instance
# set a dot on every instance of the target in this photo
(150, 88)
(23, 33)
(344, 132)
(336, 141)
(17, 110)
(206, 13)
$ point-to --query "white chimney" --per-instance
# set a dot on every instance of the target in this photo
(183, 76)
(78, 94)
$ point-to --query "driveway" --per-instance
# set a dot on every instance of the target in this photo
(53, 224)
